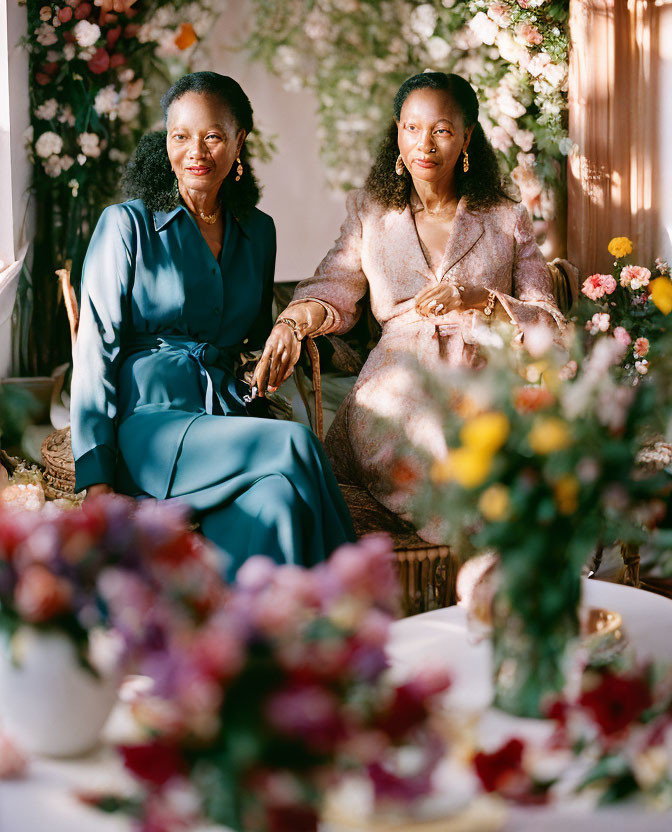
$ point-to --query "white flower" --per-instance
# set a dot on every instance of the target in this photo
(69, 51)
(508, 104)
(128, 110)
(509, 124)
(524, 139)
(447, 4)
(642, 366)
(485, 29)
(81, 158)
(555, 74)
(53, 55)
(90, 144)
(73, 184)
(500, 139)
(538, 62)
(126, 75)
(565, 146)
(548, 204)
(512, 52)
(48, 144)
(117, 155)
(317, 25)
(423, 20)
(438, 49)
(106, 101)
(67, 162)
(87, 54)
(52, 166)
(86, 34)
(598, 323)
(465, 39)
(66, 116)
(46, 35)
(47, 110)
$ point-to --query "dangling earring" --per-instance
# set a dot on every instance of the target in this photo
(239, 169)
(399, 166)
(465, 163)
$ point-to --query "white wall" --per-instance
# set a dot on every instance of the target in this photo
(307, 214)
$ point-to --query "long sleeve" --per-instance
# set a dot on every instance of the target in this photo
(339, 283)
(533, 300)
(106, 281)
(263, 323)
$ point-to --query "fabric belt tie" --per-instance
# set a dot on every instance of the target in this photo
(217, 367)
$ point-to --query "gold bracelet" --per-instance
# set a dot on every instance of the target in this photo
(492, 299)
(292, 324)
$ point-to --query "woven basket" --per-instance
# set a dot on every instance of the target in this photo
(59, 475)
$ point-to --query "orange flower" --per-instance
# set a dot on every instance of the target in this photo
(531, 399)
(41, 595)
(186, 36)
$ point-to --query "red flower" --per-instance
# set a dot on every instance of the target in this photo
(117, 60)
(82, 11)
(65, 14)
(616, 702)
(42, 79)
(50, 68)
(291, 819)
(155, 763)
(100, 62)
(496, 771)
(131, 30)
(113, 36)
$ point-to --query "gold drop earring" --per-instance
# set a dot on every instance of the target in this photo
(239, 169)
(399, 166)
(465, 162)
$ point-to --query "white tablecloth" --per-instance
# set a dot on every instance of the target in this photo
(43, 801)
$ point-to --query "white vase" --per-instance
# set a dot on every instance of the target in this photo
(49, 703)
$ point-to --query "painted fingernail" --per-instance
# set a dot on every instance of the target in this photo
(439, 308)
(432, 303)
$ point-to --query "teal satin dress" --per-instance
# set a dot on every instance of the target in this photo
(156, 408)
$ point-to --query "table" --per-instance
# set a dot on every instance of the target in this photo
(43, 801)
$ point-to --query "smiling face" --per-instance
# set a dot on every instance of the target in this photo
(203, 141)
(431, 135)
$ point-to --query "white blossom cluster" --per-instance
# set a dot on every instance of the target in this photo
(354, 58)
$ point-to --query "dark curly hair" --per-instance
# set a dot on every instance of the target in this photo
(148, 175)
(481, 186)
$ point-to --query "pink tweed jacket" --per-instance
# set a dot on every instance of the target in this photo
(379, 251)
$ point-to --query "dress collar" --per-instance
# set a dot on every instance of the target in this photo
(162, 218)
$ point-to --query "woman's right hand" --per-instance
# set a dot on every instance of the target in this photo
(283, 348)
(98, 489)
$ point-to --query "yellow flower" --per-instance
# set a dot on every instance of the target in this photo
(486, 433)
(620, 247)
(467, 466)
(548, 435)
(566, 493)
(661, 294)
(494, 502)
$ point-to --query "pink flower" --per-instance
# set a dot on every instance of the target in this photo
(65, 14)
(499, 12)
(598, 285)
(622, 336)
(635, 277)
(641, 347)
(598, 323)
(500, 139)
(309, 712)
(528, 34)
(40, 595)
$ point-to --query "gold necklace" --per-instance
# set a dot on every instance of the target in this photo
(211, 219)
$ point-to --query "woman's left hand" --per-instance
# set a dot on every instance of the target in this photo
(438, 299)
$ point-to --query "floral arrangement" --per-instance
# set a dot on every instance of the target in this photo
(633, 303)
(612, 740)
(354, 54)
(63, 568)
(544, 466)
(252, 715)
(97, 70)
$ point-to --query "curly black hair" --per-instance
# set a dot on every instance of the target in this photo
(481, 186)
(148, 175)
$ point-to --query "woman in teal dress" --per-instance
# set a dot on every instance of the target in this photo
(176, 283)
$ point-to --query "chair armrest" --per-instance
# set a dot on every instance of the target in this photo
(314, 356)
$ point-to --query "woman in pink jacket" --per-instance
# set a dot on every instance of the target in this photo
(442, 250)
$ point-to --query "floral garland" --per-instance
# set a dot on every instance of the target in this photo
(94, 68)
(355, 53)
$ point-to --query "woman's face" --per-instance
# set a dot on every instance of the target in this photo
(203, 141)
(431, 135)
